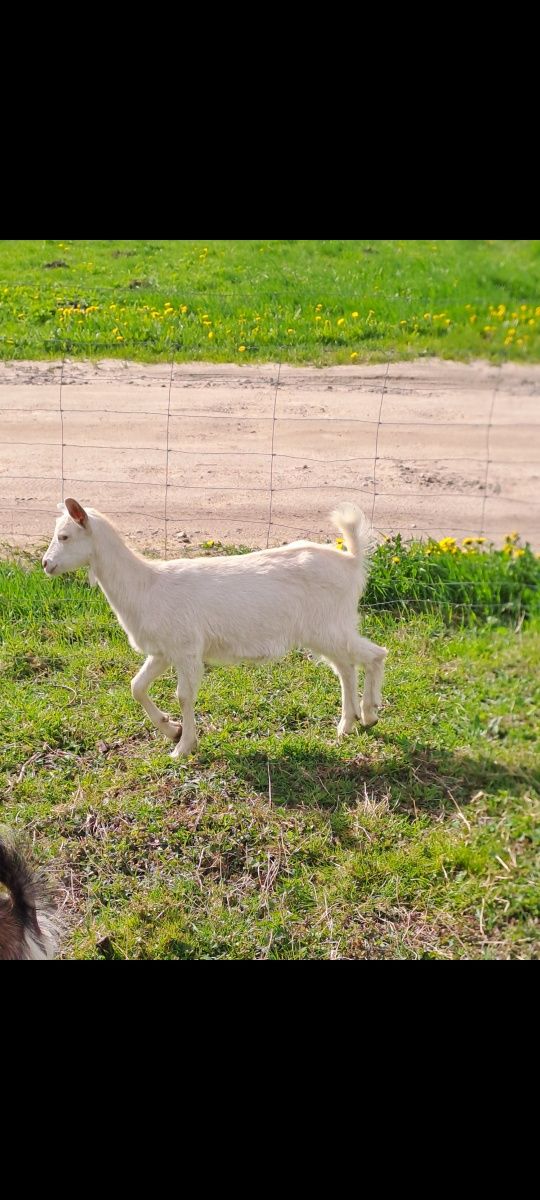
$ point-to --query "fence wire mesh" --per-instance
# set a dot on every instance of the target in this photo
(257, 455)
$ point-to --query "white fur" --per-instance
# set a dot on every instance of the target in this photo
(257, 606)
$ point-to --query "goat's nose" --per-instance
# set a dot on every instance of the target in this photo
(44, 562)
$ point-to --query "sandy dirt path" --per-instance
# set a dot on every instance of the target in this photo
(263, 453)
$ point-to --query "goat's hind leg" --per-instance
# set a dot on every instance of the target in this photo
(150, 670)
(350, 703)
(372, 657)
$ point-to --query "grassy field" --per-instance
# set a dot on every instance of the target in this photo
(417, 839)
(304, 301)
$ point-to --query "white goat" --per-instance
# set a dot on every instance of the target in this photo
(257, 606)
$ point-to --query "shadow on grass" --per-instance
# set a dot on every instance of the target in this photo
(414, 778)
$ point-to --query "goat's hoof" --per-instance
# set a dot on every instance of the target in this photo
(181, 750)
(370, 716)
(345, 726)
(171, 729)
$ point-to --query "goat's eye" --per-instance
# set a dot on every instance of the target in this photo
(62, 537)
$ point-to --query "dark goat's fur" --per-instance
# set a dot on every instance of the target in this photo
(28, 913)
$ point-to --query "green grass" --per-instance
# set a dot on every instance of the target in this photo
(417, 839)
(304, 301)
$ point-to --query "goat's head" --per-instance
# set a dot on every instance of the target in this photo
(71, 545)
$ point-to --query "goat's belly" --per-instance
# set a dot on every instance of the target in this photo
(222, 653)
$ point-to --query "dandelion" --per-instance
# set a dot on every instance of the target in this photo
(318, 318)
(119, 338)
(448, 545)
(403, 322)
(472, 319)
(427, 316)
(531, 321)
(487, 328)
(241, 349)
(536, 311)
(354, 354)
(448, 321)
(480, 541)
(183, 308)
(319, 306)
(395, 558)
(468, 541)
(518, 553)
(210, 335)
(339, 543)
(520, 341)
(341, 320)
(290, 331)
(354, 314)
(523, 307)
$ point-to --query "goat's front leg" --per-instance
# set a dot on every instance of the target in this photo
(151, 669)
(190, 673)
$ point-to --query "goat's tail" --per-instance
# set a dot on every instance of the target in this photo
(29, 923)
(355, 529)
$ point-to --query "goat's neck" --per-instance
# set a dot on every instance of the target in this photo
(122, 575)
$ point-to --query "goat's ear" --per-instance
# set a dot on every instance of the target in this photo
(76, 512)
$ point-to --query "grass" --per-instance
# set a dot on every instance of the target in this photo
(317, 302)
(417, 839)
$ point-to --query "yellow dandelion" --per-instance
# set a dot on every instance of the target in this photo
(210, 335)
(318, 318)
(468, 541)
(536, 311)
(487, 328)
(290, 331)
(520, 341)
(241, 349)
(183, 308)
(341, 320)
(448, 321)
(354, 314)
(395, 558)
(427, 316)
(518, 553)
(472, 319)
(480, 541)
(354, 354)
(403, 322)
(531, 321)
(318, 307)
(523, 307)
(339, 543)
(119, 338)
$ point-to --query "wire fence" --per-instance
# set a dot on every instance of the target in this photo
(401, 444)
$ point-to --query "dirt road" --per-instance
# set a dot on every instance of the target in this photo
(246, 455)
